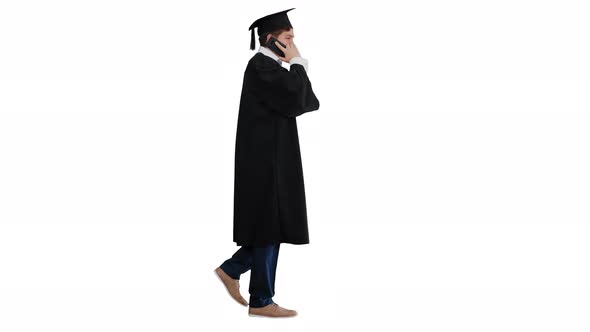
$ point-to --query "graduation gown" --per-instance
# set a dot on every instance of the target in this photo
(269, 194)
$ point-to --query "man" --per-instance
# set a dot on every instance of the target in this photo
(269, 196)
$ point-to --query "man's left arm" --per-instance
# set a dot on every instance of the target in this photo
(301, 61)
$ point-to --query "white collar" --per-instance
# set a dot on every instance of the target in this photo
(266, 51)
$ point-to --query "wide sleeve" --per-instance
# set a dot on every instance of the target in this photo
(301, 61)
(287, 92)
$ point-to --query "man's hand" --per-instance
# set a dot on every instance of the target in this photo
(290, 51)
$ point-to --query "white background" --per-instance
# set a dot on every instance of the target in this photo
(446, 170)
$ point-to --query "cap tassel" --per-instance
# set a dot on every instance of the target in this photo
(252, 43)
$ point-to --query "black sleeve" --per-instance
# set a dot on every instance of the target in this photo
(287, 92)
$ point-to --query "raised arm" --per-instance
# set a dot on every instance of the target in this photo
(287, 92)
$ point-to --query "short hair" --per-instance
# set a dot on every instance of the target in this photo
(274, 33)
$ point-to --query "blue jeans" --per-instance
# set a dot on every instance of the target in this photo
(263, 263)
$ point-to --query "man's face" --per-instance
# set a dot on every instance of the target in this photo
(286, 37)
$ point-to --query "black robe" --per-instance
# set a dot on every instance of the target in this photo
(269, 195)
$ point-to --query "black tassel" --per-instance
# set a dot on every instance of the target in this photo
(252, 43)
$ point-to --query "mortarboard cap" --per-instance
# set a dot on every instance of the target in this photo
(270, 23)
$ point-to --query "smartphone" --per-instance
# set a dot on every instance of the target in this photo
(275, 48)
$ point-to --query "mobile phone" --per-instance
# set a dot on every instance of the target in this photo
(271, 44)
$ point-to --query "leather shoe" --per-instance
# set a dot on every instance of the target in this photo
(272, 310)
(232, 285)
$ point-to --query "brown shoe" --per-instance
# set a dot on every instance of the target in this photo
(271, 310)
(232, 285)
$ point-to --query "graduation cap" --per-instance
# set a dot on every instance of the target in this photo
(270, 23)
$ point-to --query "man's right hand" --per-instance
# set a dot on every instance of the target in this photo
(290, 51)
